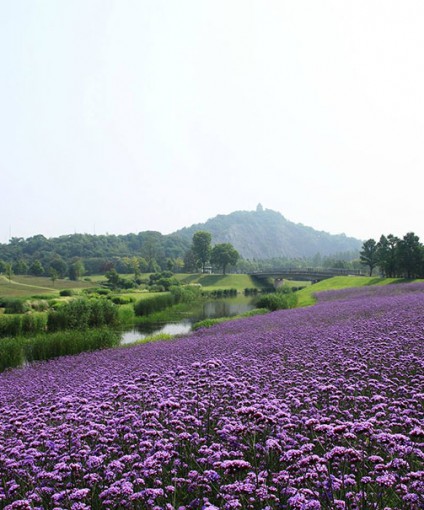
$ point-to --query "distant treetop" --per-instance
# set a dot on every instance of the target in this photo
(259, 208)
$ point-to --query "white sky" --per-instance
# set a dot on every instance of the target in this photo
(122, 116)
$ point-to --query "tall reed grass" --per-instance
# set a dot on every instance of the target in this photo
(15, 351)
(22, 324)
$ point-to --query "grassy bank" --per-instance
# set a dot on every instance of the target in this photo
(231, 281)
(26, 286)
(18, 350)
(306, 296)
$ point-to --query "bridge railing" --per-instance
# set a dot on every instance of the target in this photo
(312, 270)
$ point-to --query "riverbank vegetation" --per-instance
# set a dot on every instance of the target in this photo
(15, 351)
(34, 324)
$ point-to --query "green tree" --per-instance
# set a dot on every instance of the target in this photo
(53, 275)
(223, 255)
(113, 278)
(36, 268)
(201, 247)
(190, 262)
(9, 270)
(152, 251)
(133, 264)
(76, 269)
(60, 266)
(20, 267)
(388, 255)
(369, 254)
(410, 254)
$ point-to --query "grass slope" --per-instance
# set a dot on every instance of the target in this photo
(229, 281)
(306, 296)
(25, 286)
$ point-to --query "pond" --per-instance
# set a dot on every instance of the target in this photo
(211, 309)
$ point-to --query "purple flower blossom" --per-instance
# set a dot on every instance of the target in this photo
(306, 408)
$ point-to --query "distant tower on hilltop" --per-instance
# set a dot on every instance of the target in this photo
(259, 208)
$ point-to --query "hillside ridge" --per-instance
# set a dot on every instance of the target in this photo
(265, 233)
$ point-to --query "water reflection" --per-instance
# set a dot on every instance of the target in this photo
(141, 332)
(209, 310)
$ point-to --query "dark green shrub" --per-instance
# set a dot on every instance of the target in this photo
(103, 292)
(185, 293)
(278, 301)
(83, 314)
(66, 292)
(122, 300)
(10, 325)
(39, 305)
(34, 323)
(15, 306)
(126, 314)
(164, 279)
(222, 293)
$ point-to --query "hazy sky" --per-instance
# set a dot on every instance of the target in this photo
(122, 116)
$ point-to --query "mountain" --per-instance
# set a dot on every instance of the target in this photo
(265, 234)
(261, 234)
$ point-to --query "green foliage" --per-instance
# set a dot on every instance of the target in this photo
(66, 292)
(262, 234)
(148, 339)
(220, 293)
(83, 314)
(52, 345)
(306, 296)
(278, 301)
(20, 267)
(185, 293)
(126, 314)
(190, 262)
(402, 258)
(38, 305)
(11, 353)
(369, 255)
(60, 266)
(10, 325)
(154, 304)
(122, 300)
(224, 254)
(22, 324)
(15, 306)
(2, 266)
(114, 281)
(201, 247)
(164, 280)
(208, 323)
(76, 269)
(36, 268)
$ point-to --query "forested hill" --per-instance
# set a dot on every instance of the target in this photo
(265, 234)
(260, 235)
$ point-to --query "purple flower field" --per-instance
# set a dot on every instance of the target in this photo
(309, 408)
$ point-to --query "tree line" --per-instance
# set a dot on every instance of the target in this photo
(77, 255)
(83, 254)
(394, 257)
